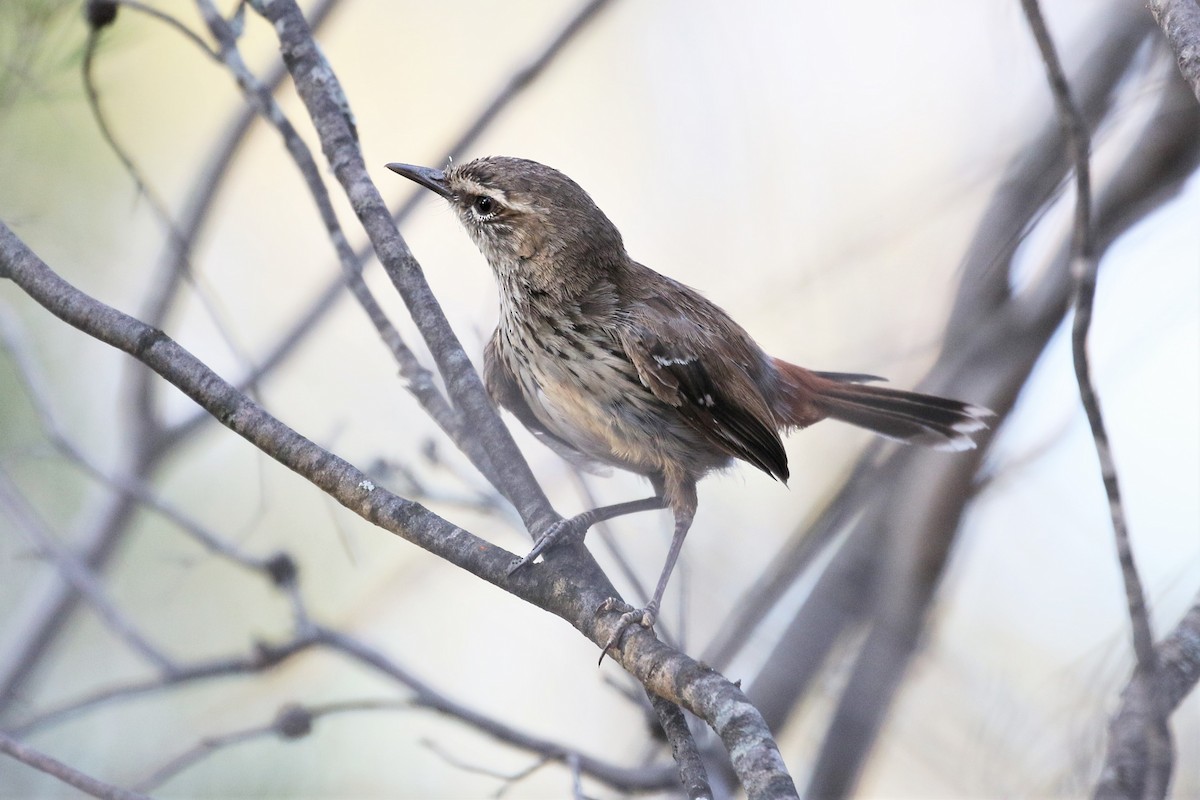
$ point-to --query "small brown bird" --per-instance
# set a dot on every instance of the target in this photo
(606, 360)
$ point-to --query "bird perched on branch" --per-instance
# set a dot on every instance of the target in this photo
(605, 360)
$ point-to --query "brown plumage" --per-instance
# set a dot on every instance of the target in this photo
(606, 360)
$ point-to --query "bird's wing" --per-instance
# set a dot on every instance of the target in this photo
(705, 375)
(505, 392)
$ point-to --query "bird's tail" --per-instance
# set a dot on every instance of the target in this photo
(937, 422)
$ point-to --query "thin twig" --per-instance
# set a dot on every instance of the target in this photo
(993, 340)
(292, 722)
(45, 614)
(261, 98)
(263, 657)
(158, 205)
(509, 778)
(77, 574)
(12, 341)
(173, 264)
(1084, 267)
(425, 696)
(502, 99)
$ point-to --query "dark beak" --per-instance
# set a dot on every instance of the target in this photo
(432, 179)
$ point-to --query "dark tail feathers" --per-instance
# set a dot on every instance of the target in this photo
(905, 416)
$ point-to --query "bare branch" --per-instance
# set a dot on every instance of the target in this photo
(200, 751)
(425, 696)
(1085, 264)
(997, 337)
(260, 97)
(77, 574)
(1180, 21)
(265, 656)
(45, 613)
(158, 204)
(323, 97)
(293, 721)
(576, 593)
(67, 774)
(692, 775)
(35, 387)
(1128, 766)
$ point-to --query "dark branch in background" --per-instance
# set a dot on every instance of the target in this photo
(1014, 335)
(1012, 329)
(1085, 264)
(68, 775)
(148, 445)
(1180, 21)
(293, 721)
(264, 656)
(901, 542)
(84, 581)
(994, 337)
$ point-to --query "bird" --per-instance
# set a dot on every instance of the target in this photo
(611, 363)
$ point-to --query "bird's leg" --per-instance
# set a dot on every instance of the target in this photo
(681, 496)
(579, 524)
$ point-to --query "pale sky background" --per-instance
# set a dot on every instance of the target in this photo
(814, 168)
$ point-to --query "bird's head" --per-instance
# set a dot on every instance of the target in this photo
(530, 221)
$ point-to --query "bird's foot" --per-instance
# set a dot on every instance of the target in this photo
(562, 531)
(629, 616)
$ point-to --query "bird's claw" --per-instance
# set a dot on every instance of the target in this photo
(563, 530)
(629, 616)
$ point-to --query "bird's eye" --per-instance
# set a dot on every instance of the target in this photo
(484, 206)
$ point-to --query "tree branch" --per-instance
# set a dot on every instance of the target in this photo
(1128, 765)
(1180, 21)
(67, 774)
(323, 97)
(1085, 264)
(574, 594)
(77, 574)
(149, 443)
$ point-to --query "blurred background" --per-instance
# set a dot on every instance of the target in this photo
(819, 170)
